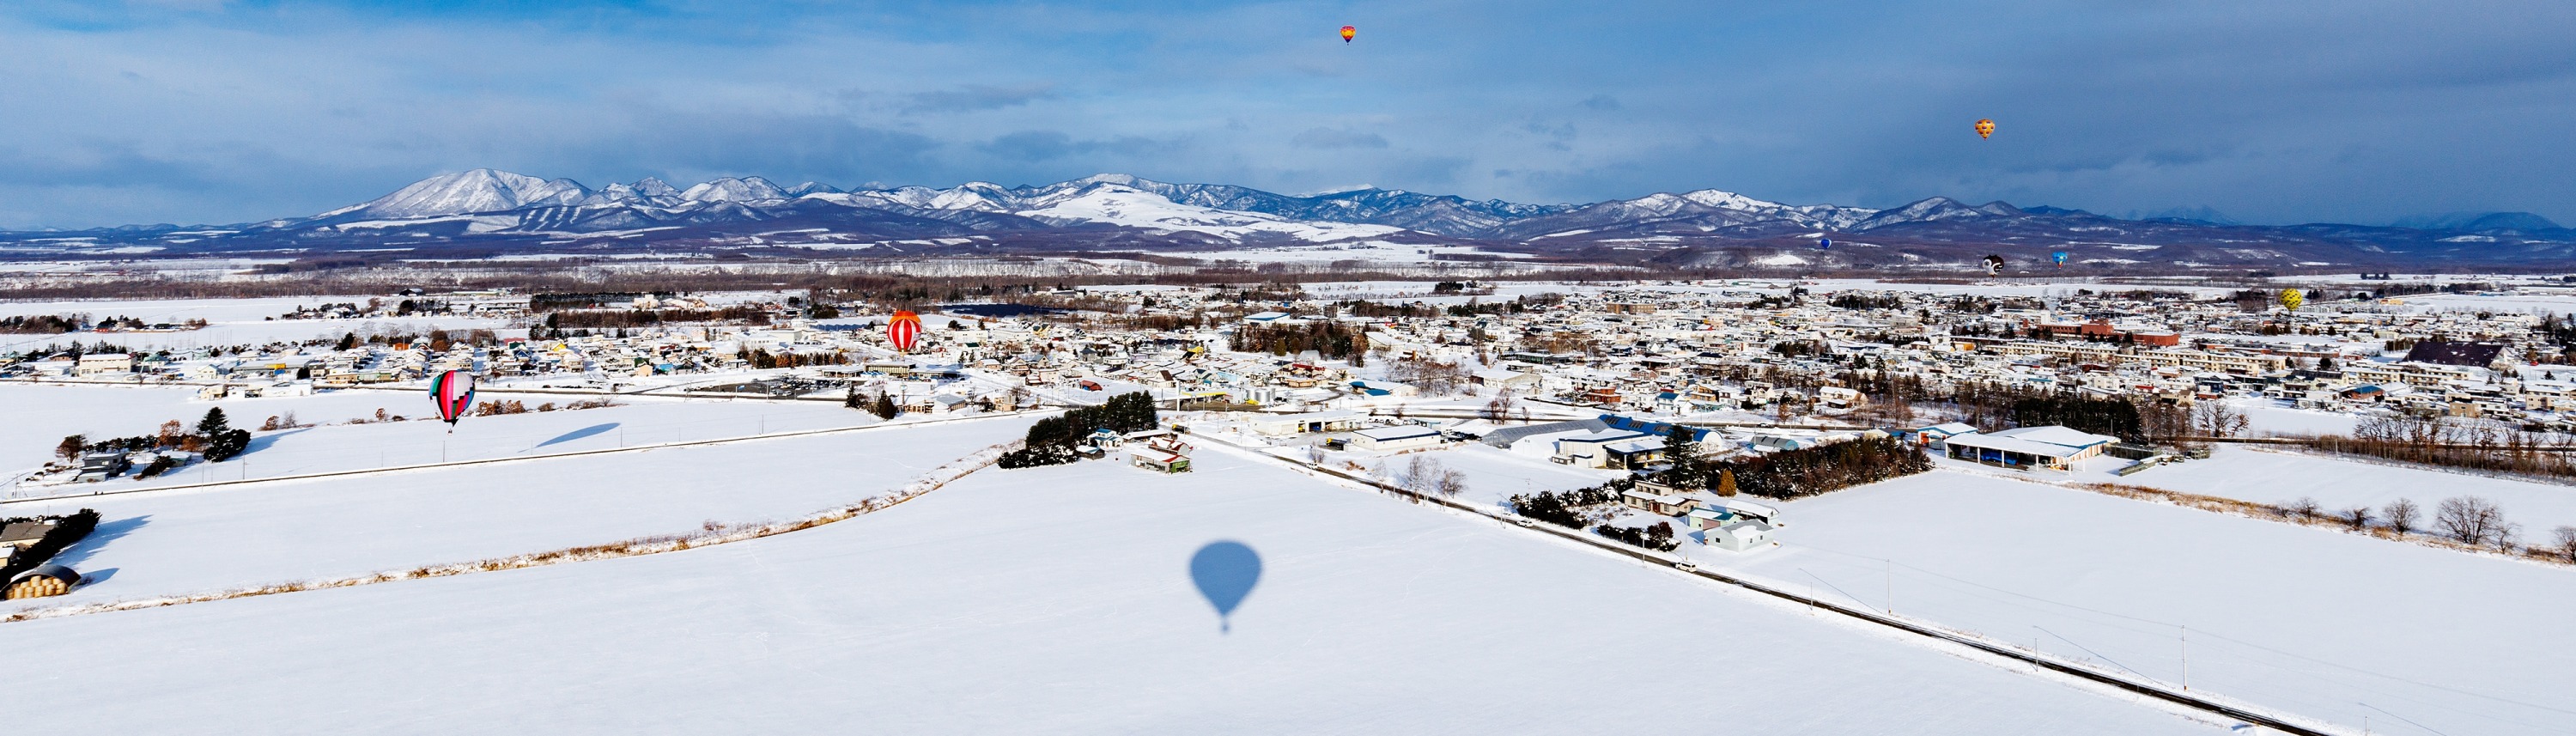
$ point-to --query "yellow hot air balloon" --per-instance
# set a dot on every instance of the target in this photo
(2291, 299)
(1985, 129)
(1348, 32)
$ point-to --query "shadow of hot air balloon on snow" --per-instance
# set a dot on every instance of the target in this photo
(1225, 572)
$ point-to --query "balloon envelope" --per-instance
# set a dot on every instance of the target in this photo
(903, 330)
(1824, 243)
(1348, 32)
(1985, 129)
(454, 392)
(1225, 572)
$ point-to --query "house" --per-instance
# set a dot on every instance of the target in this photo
(1158, 450)
(2439, 352)
(1659, 504)
(1739, 536)
(1714, 513)
(1609, 448)
(2021, 448)
(1934, 435)
(1395, 439)
(102, 466)
(96, 365)
(19, 535)
(1281, 425)
(1502, 380)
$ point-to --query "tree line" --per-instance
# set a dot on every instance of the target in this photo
(1327, 338)
(214, 438)
(1051, 441)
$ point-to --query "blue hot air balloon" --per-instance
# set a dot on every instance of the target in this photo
(2059, 257)
(1824, 244)
(1225, 572)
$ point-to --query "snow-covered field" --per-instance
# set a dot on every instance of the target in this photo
(193, 541)
(230, 322)
(1048, 601)
(50, 412)
(2275, 476)
(2330, 625)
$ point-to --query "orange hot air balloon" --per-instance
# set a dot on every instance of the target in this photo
(1348, 32)
(1985, 129)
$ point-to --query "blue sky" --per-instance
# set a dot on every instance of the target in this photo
(2278, 111)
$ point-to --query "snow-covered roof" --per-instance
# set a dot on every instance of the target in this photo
(2056, 435)
(1383, 434)
(1742, 507)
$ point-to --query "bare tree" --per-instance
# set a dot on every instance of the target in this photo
(1418, 473)
(2217, 419)
(2472, 520)
(2357, 517)
(2302, 508)
(1451, 484)
(1433, 377)
(1498, 409)
(1315, 454)
(2564, 540)
(2402, 516)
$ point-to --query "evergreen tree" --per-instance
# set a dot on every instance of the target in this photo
(214, 425)
(1682, 445)
(1726, 482)
(851, 400)
(885, 408)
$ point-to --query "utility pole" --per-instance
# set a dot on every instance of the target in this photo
(2186, 662)
(1891, 586)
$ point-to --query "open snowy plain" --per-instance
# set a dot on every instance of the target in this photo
(1051, 601)
(1061, 599)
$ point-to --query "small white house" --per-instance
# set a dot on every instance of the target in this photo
(105, 364)
(1280, 425)
(1739, 536)
(1395, 439)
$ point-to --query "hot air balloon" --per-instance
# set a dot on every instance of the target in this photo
(1994, 264)
(1985, 129)
(903, 329)
(454, 392)
(2291, 299)
(1824, 244)
(1348, 32)
(2059, 257)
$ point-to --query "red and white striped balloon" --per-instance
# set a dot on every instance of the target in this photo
(903, 330)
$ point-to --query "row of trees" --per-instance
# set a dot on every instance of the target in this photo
(214, 438)
(1326, 338)
(2473, 521)
(1806, 472)
(1435, 378)
(2473, 446)
(1658, 537)
(1426, 476)
(1567, 508)
(882, 406)
(1051, 441)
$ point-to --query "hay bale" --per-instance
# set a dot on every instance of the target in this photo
(43, 581)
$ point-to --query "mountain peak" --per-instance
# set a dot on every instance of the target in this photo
(730, 189)
(466, 192)
(2478, 221)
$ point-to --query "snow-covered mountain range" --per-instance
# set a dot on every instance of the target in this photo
(487, 209)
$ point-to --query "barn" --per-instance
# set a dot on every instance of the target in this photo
(44, 580)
